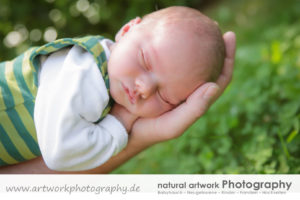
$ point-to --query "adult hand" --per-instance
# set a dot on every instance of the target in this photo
(172, 124)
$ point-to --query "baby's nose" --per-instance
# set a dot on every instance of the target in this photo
(145, 88)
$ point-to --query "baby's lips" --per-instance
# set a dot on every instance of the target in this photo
(133, 96)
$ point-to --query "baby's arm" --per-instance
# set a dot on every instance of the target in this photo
(66, 107)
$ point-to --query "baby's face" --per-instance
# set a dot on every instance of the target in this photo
(152, 72)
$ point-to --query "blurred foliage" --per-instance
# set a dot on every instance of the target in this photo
(24, 23)
(252, 128)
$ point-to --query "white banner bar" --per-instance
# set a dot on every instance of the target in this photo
(152, 186)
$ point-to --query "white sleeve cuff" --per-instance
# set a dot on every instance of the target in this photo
(117, 130)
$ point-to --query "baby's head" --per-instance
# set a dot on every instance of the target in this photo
(158, 61)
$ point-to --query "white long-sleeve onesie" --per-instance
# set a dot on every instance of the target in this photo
(71, 97)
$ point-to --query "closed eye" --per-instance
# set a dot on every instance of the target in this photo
(144, 61)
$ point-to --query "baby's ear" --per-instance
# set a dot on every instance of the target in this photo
(125, 28)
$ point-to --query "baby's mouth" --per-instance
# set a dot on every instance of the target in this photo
(131, 94)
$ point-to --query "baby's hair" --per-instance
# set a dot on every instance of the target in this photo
(200, 25)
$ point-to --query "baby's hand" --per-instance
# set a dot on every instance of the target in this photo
(124, 116)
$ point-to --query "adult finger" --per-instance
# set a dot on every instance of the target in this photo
(226, 75)
(173, 123)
